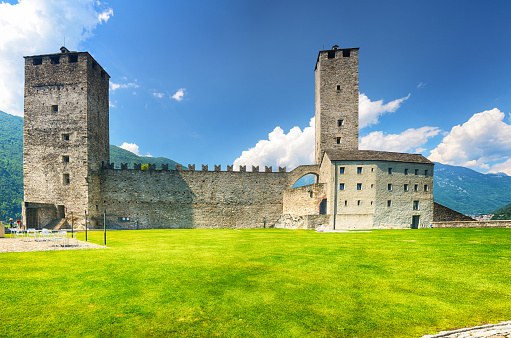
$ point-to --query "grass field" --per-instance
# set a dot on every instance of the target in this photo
(260, 283)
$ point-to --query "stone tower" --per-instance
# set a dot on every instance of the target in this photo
(336, 100)
(66, 133)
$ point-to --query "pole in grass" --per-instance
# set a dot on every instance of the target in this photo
(72, 224)
(104, 225)
(86, 225)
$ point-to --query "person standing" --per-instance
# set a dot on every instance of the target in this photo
(11, 224)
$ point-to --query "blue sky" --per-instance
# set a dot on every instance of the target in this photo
(222, 82)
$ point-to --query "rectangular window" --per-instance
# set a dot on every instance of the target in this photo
(346, 53)
(65, 179)
(416, 187)
(405, 187)
(389, 186)
(338, 87)
(331, 54)
(37, 61)
(65, 159)
(390, 171)
(73, 58)
(65, 137)
(415, 205)
(359, 202)
(359, 170)
(425, 173)
(341, 170)
(416, 171)
(54, 108)
(359, 186)
(338, 140)
(389, 203)
(345, 203)
(340, 123)
(341, 186)
(55, 60)
(426, 187)
(406, 171)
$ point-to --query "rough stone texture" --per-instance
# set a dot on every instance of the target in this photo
(66, 132)
(442, 213)
(304, 200)
(472, 224)
(336, 99)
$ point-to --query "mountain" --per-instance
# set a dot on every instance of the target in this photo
(11, 166)
(469, 191)
(502, 213)
(458, 188)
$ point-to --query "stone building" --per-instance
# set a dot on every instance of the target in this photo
(67, 173)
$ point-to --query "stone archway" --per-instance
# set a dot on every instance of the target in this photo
(300, 171)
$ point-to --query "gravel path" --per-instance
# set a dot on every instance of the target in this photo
(500, 330)
(24, 245)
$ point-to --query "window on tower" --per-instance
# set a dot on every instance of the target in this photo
(65, 179)
(346, 53)
(55, 60)
(340, 123)
(37, 61)
(331, 54)
(73, 58)
(338, 140)
(54, 108)
(338, 87)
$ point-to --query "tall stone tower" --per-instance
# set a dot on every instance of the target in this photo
(66, 132)
(336, 100)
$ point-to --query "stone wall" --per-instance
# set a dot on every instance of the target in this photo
(304, 200)
(186, 199)
(472, 224)
(442, 213)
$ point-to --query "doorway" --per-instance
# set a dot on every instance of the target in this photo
(415, 221)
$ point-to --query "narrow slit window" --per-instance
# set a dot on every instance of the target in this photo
(416, 187)
(389, 203)
(359, 202)
(405, 187)
(389, 186)
(359, 186)
(345, 203)
(426, 188)
(340, 123)
(338, 140)
(65, 179)
(390, 171)
(338, 87)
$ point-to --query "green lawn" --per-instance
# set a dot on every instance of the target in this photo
(261, 283)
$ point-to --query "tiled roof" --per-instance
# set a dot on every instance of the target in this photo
(372, 155)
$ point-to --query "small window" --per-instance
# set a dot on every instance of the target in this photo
(338, 140)
(65, 159)
(372, 185)
(65, 137)
(345, 203)
(405, 187)
(359, 170)
(389, 186)
(425, 173)
(341, 170)
(389, 203)
(371, 202)
(73, 58)
(340, 123)
(359, 186)
(341, 186)
(65, 179)
(55, 60)
(54, 108)
(426, 188)
(331, 54)
(346, 53)
(37, 61)
(338, 87)
(415, 205)
(359, 202)
(390, 171)
(416, 187)
(416, 171)
(406, 171)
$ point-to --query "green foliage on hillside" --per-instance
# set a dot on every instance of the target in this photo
(502, 213)
(11, 166)
(119, 155)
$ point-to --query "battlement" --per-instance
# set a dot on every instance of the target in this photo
(191, 167)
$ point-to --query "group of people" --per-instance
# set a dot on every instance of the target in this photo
(11, 223)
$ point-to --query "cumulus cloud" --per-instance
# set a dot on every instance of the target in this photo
(115, 86)
(281, 149)
(158, 95)
(410, 140)
(178, 96)
(479, 143)
(130, 147)
(370, 111)
(38, 27)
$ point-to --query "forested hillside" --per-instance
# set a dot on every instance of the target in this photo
(11, 166)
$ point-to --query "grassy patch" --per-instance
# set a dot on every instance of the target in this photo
(266, 282)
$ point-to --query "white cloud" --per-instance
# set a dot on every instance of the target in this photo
(158, 95)
(178, 96)
(504, 167)
(130, 147)
(115, 86)
(38, 27)
(111, 104)
(479, 143)
(422, 84)
(370, 111)
(289, 150)
(410, 140)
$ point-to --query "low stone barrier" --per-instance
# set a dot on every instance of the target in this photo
(472, 224)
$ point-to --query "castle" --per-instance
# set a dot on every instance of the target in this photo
(67, 169)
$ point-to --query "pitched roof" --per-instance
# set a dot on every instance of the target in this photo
(372, 155)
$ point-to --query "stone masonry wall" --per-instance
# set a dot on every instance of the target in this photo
(472, 224)
(304, 200)
(186, 199)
